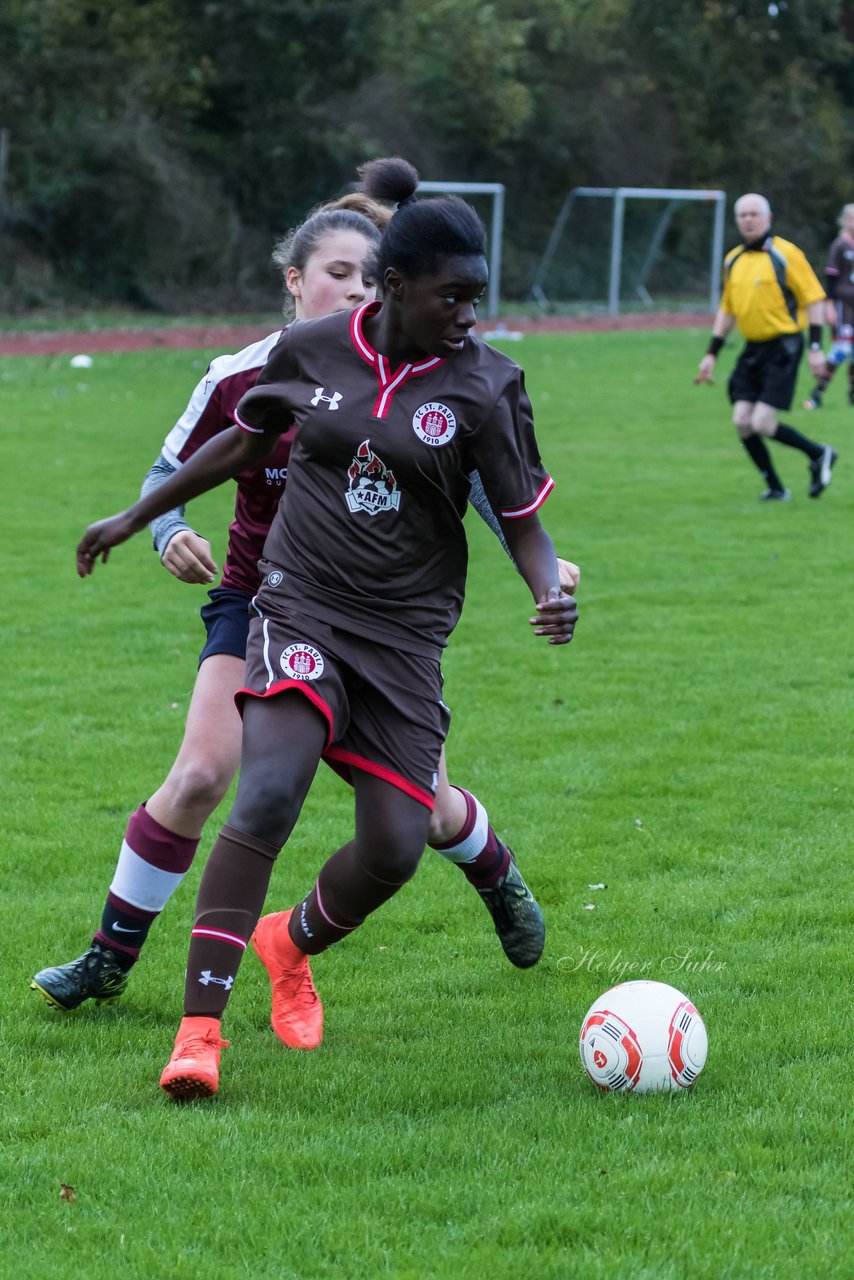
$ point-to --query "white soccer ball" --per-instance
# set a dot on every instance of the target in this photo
(643, 1037)
(81, 362)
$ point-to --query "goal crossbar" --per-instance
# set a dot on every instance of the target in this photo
(620, 195)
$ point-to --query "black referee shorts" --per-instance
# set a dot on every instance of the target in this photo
(768, 371)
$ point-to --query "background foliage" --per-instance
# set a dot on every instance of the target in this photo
(156, 147)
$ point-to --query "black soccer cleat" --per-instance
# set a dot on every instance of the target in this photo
(517, 918)
(821, 471)
(96, 975)
(813, 400)
(776, 495)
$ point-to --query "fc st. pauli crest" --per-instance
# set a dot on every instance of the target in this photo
(434, 423)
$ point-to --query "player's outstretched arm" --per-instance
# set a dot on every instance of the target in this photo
(226, 455)
(534, 553)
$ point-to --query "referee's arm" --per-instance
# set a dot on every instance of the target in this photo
(722, 327)
(816, 315)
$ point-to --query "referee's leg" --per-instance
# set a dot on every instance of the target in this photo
(756, 448)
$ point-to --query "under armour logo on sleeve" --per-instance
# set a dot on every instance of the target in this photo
(332, 400)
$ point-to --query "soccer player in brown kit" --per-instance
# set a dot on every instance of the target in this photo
(325, 268)
(363, 581)
(839, 283)
(768, 285)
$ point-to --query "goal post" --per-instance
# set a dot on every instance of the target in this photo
(674, 196)
(496, 231)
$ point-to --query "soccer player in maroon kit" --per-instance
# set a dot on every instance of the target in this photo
(364, 576)
(324, 263)
(839, 287)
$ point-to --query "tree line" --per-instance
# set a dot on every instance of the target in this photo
(155, 148)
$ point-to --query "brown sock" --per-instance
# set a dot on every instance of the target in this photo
(230, 900)
(345, 893)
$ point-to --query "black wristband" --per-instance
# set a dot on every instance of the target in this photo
(815, 336)
(715, 344)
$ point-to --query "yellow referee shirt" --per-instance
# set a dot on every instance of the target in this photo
(768, 289)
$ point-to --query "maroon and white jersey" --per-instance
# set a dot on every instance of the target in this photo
(370, 534)
(211, 410)
(839, 271)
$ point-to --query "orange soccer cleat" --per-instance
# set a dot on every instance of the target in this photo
(297, 1014)
(193, 1069)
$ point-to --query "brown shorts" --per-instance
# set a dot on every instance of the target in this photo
(383, 707)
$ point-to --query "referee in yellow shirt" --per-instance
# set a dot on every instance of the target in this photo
(770, 292)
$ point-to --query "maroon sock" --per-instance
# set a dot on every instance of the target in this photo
(475, 848)
(490, 865)
(152, 863)
(124, 929)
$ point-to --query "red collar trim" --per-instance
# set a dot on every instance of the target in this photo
(375, 358)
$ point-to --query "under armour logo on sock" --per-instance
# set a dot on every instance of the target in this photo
(332, 400)
(208, 977)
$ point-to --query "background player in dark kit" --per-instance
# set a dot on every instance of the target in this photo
(324, 265)
(839, 286)
(384, 479)
(770, 290)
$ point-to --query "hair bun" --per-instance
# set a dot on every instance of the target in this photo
(388, 178)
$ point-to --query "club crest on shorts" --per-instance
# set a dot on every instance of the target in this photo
(275, 578)
(301, 662)
(373, 487)
(434, 423)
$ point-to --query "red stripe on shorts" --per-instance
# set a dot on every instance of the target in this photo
(335, 756)
(282, 686)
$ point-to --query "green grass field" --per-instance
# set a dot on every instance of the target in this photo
(690, 750)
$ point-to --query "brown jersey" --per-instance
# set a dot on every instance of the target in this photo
(369, 535)
(839, 271)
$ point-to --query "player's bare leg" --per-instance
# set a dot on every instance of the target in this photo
(210, 751)
(160, 842)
